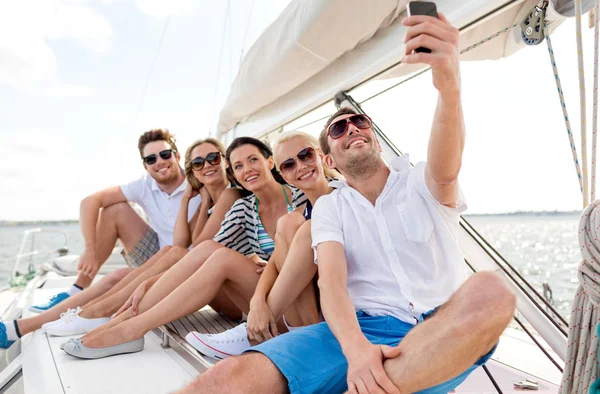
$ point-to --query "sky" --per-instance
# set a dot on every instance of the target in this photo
(81, 79)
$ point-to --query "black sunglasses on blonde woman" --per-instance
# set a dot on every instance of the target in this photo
(213, 158)
(306, 155)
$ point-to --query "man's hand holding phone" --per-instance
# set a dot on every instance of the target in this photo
(441, 39)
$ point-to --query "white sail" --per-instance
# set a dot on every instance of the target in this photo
(298, 64)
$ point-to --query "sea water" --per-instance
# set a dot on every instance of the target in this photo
(544, 248)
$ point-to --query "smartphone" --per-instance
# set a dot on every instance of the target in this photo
(422, 8)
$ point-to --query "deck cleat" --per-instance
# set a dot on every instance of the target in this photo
(527, 384)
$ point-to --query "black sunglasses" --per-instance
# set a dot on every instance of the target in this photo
(339, 128)
(164, 154)
(306, 155)
(213, 158)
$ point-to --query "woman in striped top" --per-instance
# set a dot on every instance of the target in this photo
(288, 283)
(227, 267)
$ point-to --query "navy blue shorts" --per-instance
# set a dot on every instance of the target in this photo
(312, 361)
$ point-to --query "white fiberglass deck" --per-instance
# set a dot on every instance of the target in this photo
(48, 369)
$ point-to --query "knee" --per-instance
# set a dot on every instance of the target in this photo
(304, 231)
(115, 210)
(287, 225)
(115, 277)
(222, 257)
(165, 250)
(177, 250)
(226, 370)
(203, 250)
(206, 247)
(489, 292)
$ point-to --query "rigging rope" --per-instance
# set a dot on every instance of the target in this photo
(246, 33)
(467, 49)
(582, 344)
(564, 109)
(583, 109)
(595, 109)
(219, 65)
(160, 41)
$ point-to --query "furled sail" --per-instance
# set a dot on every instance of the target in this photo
(317, 48)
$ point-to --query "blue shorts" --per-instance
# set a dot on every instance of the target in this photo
(312, 361)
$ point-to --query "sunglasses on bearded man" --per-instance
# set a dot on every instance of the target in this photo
(164, 154)
(339, 128)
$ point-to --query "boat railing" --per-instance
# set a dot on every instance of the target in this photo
(29, 241)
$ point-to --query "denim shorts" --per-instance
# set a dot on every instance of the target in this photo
(312, 361)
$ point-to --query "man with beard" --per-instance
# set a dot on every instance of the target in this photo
(106, 215)
(401, 315)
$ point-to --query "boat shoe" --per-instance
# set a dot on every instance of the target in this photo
(62, 345)
(77, 349)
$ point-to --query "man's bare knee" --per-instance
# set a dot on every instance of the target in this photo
(114, 211)
(252, 372)
(482, 293)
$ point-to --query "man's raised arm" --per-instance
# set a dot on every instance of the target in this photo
(447, 139)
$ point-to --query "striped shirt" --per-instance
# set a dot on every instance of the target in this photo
(239, 230)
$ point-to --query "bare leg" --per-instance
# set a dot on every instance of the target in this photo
(228, 303)
(33, 323)
(463, 330)
(172, 278)
(287, 226)
(249, 373)
(115, 221)
(109, 305)
(133, 274)
(223, 266)
(293, 291)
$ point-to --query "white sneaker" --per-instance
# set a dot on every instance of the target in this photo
(69, 311)
(70, 323)
(232, 342)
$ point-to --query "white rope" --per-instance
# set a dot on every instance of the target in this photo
(582, 346)
(595, 116)
(583, 110)
(564, 108)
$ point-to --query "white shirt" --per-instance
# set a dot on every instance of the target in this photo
(160, 207)
(402, 254)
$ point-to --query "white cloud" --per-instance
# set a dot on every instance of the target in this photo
(58, 89)
(26, 59)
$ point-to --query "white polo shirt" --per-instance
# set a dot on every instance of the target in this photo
(402, 254)
(160, 207)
